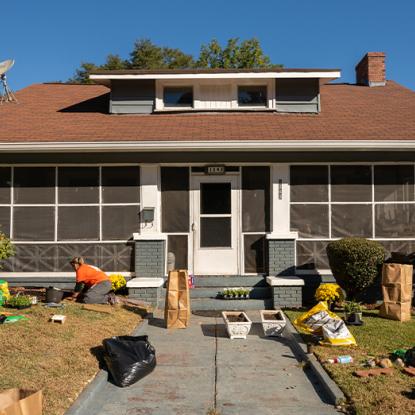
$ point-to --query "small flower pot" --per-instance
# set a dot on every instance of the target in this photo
(354, 319)
(273, 322)
(237, 324)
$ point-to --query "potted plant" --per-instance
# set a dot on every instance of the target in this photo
(273, 322)
(237, 324)
(353, 313)
(19, 301)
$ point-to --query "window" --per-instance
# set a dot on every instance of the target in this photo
(336, 201)
(252, 96)
(69, 203)
(181, 96)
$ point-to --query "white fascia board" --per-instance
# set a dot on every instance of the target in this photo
(210, 145)
(235, 75)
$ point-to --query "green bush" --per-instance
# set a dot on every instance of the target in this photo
(6, 247)
(355, 263)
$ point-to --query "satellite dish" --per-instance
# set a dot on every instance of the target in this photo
(7, 95)
(6, 65)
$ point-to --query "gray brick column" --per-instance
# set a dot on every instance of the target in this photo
(150, 258)
(281, 256)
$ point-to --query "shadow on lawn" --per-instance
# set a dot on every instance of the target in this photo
(409, 394)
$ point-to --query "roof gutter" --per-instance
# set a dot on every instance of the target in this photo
(176, 146)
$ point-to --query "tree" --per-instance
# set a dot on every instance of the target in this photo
(235, 55)
(82, 74)
(147, 55)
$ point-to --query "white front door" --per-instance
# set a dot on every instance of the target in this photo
(215, 225)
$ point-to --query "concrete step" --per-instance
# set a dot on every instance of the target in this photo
(202, 304)
(230, 281)
(211, 292)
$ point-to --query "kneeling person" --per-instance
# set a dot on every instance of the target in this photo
(93, 286)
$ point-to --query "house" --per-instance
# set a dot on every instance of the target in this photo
(235, 175)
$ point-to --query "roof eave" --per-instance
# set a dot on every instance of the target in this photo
(210, 145)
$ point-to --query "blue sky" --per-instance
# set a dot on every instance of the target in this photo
(49, 38)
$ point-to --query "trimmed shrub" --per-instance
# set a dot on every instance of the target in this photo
(355, 263)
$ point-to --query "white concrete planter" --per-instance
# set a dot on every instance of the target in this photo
(237, 329)
(273, 322)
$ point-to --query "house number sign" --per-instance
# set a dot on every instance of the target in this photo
(212, 170)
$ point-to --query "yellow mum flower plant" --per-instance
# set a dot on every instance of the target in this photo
(117, 282)
(330, 293)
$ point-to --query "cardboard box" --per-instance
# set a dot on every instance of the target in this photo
(20, 402)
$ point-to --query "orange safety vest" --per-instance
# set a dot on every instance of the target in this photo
(90, 275)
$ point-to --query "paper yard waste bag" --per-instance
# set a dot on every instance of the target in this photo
(397, 291)
(177, 307)
(20, 402)
(321, 321)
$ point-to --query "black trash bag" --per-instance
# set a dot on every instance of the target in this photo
(129, 358)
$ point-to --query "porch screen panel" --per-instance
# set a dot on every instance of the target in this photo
(351, 220)
(119, 222)
(311, 221)
(351, 183)
(34, 185)
(312, 254)
(254, 252)
(33, 223)
(5, 184)
(78, 223)
(255, 199)
(5, 220)
(175, 199)
(78, 185)
(121, 184)
(177, 244)
(394, 183)
(395, 220)
(309, 183)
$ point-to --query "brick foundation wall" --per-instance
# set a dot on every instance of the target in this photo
(287, 296)
(281, 257)
(149, 295)
(150, 258)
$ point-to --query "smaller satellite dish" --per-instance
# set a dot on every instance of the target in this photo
(6, 65)
(7, 95)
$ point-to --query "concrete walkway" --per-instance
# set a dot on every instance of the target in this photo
(200, 370)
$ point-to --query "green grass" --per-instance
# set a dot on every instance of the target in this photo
(59, 359)
(377, 338)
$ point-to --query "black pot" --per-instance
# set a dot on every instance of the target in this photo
(354, 319)
(53, 295)
(22, 307)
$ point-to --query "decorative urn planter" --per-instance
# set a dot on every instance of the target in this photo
(237, 324)
(273, 322)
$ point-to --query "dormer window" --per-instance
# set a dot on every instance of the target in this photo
(178, 97)
(252, 96)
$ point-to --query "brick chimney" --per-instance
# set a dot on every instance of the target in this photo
(370, 71)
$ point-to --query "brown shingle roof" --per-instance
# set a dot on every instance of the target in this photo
(60, 112)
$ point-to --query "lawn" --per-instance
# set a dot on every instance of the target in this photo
(376, 395)
(59, 359)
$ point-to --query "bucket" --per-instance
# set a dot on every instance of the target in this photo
(53, 295)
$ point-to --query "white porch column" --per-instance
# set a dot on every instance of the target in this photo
(280, 174)
(281, 241)
(150, 198)
(150, 243)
